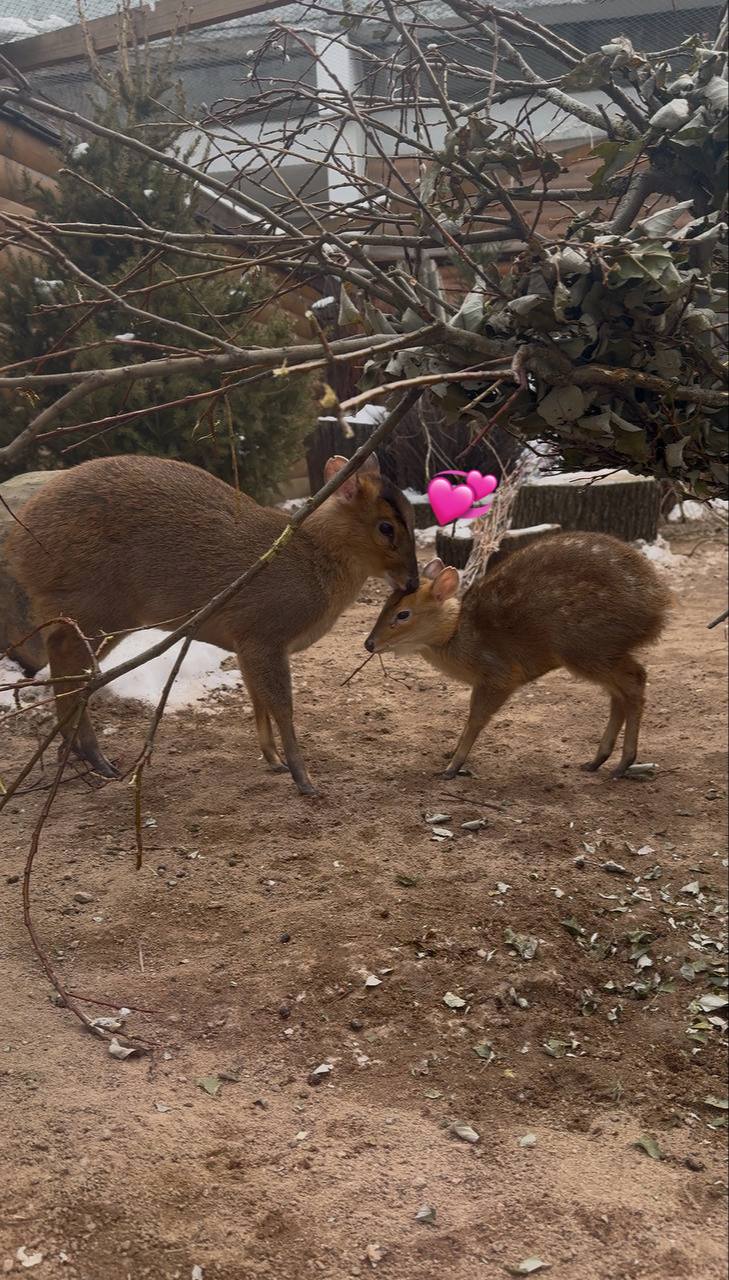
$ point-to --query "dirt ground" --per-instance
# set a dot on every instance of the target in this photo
(251, 932)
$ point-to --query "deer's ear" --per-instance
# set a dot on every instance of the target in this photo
(347, 491)
(371, 464)
(433, 568)
(446, 584)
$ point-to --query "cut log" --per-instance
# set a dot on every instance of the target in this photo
(456, 548)
(453, 549)
(515, 539)
(626, 506)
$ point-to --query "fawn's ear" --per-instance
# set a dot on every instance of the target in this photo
(446, 584)
(347, 491)
(433, 568)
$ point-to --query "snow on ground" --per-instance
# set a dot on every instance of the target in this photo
(699, 510)
(200, 676)
(660, 553)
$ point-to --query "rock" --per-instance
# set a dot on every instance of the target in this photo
(15, 617)
(83, 898)
(693, 1163)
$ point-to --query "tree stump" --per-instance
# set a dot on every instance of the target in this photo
(455, 548)
(626, 506)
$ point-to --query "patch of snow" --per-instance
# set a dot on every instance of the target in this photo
(660, 553)
(199, 677)
(79, 150)
(321, 303)
(290, 505)
(46, 287)
(691, 510)
(415, 498)
(578, 478)
(124, 337)
(200, 674)
(15, 27)
(369, 415)
(10, 673)
(463, 529)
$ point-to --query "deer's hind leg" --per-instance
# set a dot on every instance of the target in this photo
(625, 683)
(70, 669)
(610, 736)
(631, 678)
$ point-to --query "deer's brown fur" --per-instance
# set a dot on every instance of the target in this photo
(583, 601)
(128, 542)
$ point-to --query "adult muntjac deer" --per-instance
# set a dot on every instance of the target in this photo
(583, 601)
(132, 542)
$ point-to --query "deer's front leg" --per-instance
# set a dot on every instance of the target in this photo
(268, 678)
(485, 702)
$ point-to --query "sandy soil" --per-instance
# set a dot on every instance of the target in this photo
(251, 930)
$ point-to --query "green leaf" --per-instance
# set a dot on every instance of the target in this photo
(650, 1146)
(470, 314)
(484, 1050)
(453, 1001)
(406, 881)
(525, 943)
(528, 1267)
(348, 313)
(562, 404)
(556, 1048)
(659, 224)
(210, 1085)
(720, 1104)
(674, 453)
(616, 157)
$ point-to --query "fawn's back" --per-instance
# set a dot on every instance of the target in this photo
(580, 600)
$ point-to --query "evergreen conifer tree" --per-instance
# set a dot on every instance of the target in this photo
(250, 435)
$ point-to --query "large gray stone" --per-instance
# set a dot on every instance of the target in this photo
(15, 617)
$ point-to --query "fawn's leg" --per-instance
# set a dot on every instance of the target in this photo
(630, 678)
(609, 737)
(269, 681)
(69, 662)
(485, 702)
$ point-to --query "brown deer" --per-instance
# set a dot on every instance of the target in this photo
(583, 601)
(134, 542)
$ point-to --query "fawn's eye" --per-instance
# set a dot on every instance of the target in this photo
(386, 529)
(403, 615)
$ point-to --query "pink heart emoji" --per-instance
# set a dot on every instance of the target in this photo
(482, 485)
(449, 502)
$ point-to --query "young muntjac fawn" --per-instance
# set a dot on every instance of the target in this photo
(132, 542)
(583, 601)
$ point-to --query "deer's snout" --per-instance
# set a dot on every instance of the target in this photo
(369, 644)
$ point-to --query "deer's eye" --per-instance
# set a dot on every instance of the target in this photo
(403, 615)
(387, 530)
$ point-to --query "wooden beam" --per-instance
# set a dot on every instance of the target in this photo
(18, 182)
(17, 143)
(151, 23)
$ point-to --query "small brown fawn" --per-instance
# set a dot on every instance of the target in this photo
(134, 542)
(583, 601)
